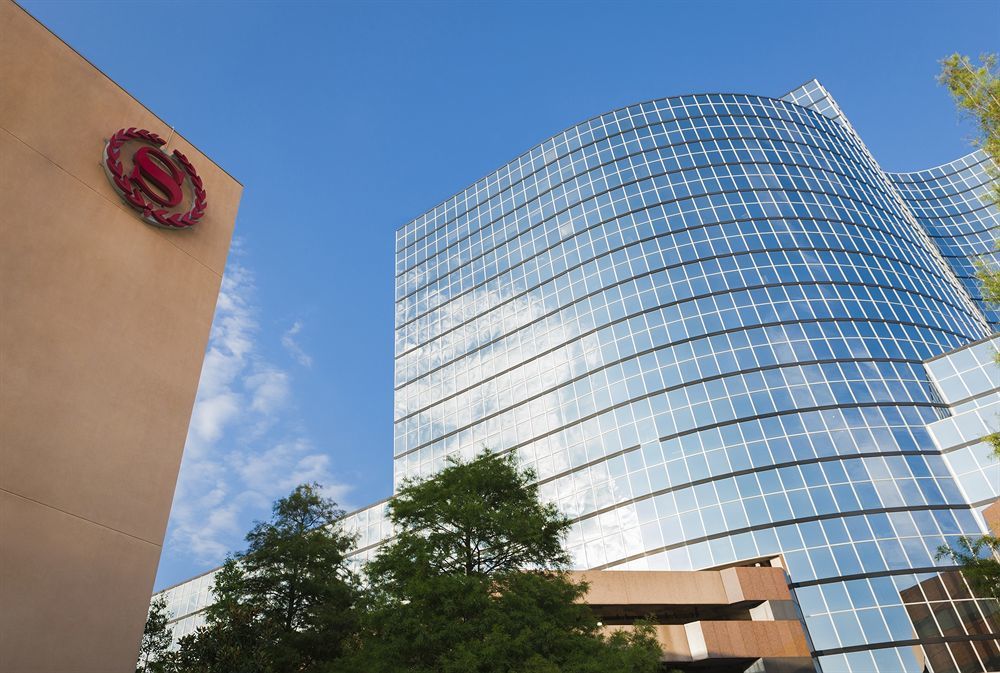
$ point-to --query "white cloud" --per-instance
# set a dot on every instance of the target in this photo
(293, 347)
(269, 389)
(212, 414)
(245, 446)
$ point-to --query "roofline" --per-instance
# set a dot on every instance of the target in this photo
(126, 91)
(977, 151)
(613, 110)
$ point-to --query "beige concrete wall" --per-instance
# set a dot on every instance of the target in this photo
(735, 637)
(705, 640)
(683, 587)
(992, 516)
(753, 639)
(103, 325)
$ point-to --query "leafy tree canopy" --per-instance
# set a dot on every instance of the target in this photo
(976, 90)
(156, 639)
(284, 604)
(475, 581)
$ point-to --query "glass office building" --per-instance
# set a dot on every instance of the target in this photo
(702, 320)
(713, 326)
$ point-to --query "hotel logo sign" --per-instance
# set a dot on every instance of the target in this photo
(166, 190)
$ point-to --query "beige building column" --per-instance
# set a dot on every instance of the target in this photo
(103, 325)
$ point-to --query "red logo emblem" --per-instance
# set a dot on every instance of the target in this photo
(166, 190)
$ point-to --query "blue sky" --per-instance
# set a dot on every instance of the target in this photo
(345, 120)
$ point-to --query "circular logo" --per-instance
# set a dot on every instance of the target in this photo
(166, 190)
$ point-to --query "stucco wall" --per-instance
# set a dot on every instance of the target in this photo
(103, 325)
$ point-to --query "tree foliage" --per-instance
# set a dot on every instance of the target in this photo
(976, 90)
(475, 519)
(156, 639)
(475, 581)
(284, 604)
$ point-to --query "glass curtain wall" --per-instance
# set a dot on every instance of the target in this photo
(702, 321)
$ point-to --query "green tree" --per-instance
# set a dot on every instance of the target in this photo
(156, 639)
(234, 638)
(284, 604)
(475, 582)
(976, 90)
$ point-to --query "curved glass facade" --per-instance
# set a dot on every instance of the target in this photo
(952, 203)
(702, 320)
